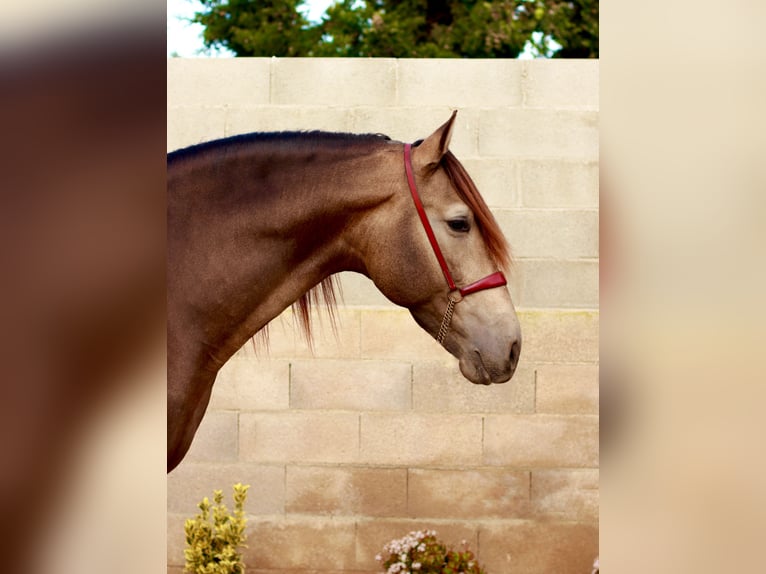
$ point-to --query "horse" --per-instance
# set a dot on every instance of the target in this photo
(262, 221)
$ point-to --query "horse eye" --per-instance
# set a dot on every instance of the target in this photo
(461, 225)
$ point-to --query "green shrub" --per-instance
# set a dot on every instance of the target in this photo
(212, 547)
(422, 553)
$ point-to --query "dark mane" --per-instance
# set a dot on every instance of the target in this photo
(292, 139)
(493, 237)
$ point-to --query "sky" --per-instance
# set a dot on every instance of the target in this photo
(185, 39)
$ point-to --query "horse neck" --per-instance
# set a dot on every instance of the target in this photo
(249, 233)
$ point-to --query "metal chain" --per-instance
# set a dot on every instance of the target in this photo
(446, 320)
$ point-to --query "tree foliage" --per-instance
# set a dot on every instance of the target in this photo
(402, 28)
(574, 25)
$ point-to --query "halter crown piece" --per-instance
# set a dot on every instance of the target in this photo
(496, 279)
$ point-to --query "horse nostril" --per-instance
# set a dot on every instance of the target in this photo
(515, 352)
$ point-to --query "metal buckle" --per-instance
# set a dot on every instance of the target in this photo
(447, 319)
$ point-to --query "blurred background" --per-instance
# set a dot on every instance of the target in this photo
(683, 192)
(82, 196)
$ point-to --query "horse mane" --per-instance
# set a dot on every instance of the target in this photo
(325, 291)
(490, 231)
(290, 139)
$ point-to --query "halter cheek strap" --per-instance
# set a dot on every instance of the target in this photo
(496, 279)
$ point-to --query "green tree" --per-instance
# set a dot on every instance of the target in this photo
(402, 28)
(574, 25)
(257, 27)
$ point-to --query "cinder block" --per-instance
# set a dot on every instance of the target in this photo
(559, 183)
(496, 179)
(561, 84)
(190, 482)
(538, 548)
(218, 81)
(372, 535)
(286, 340)
(351, 385)
(328, 437)
(559, 336)
(190, 126)
(339, 340)
(547, 233)
(302, 544)
(249, 384)
(246, 119)
(408, 124)
(515, 277)
(393, 334)
(567, 389)
(360, 291)
(538, 134)
(441, 387)
(571, 494)
(459, 82)
(550, 283)
(216, 438)
(541, 441)
(411, 439)
(176, 539)
(333, 81)
(346, 491)
(468, 494)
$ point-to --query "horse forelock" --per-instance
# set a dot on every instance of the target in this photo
(490, 231)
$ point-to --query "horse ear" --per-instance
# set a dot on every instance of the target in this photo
(429, 153)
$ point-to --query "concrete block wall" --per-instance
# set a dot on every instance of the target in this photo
(374, 432)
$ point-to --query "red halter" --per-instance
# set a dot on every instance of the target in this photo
(496, 279)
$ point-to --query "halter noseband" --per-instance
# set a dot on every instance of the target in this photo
(496, 279)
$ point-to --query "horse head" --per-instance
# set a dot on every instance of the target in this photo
(451, 277)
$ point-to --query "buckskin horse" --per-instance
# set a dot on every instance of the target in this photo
(261, 221)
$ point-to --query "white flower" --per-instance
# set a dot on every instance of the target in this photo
(378, 557)
(416, 565)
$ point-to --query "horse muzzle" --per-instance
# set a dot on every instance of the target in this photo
(476, 370)
(487, 368)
